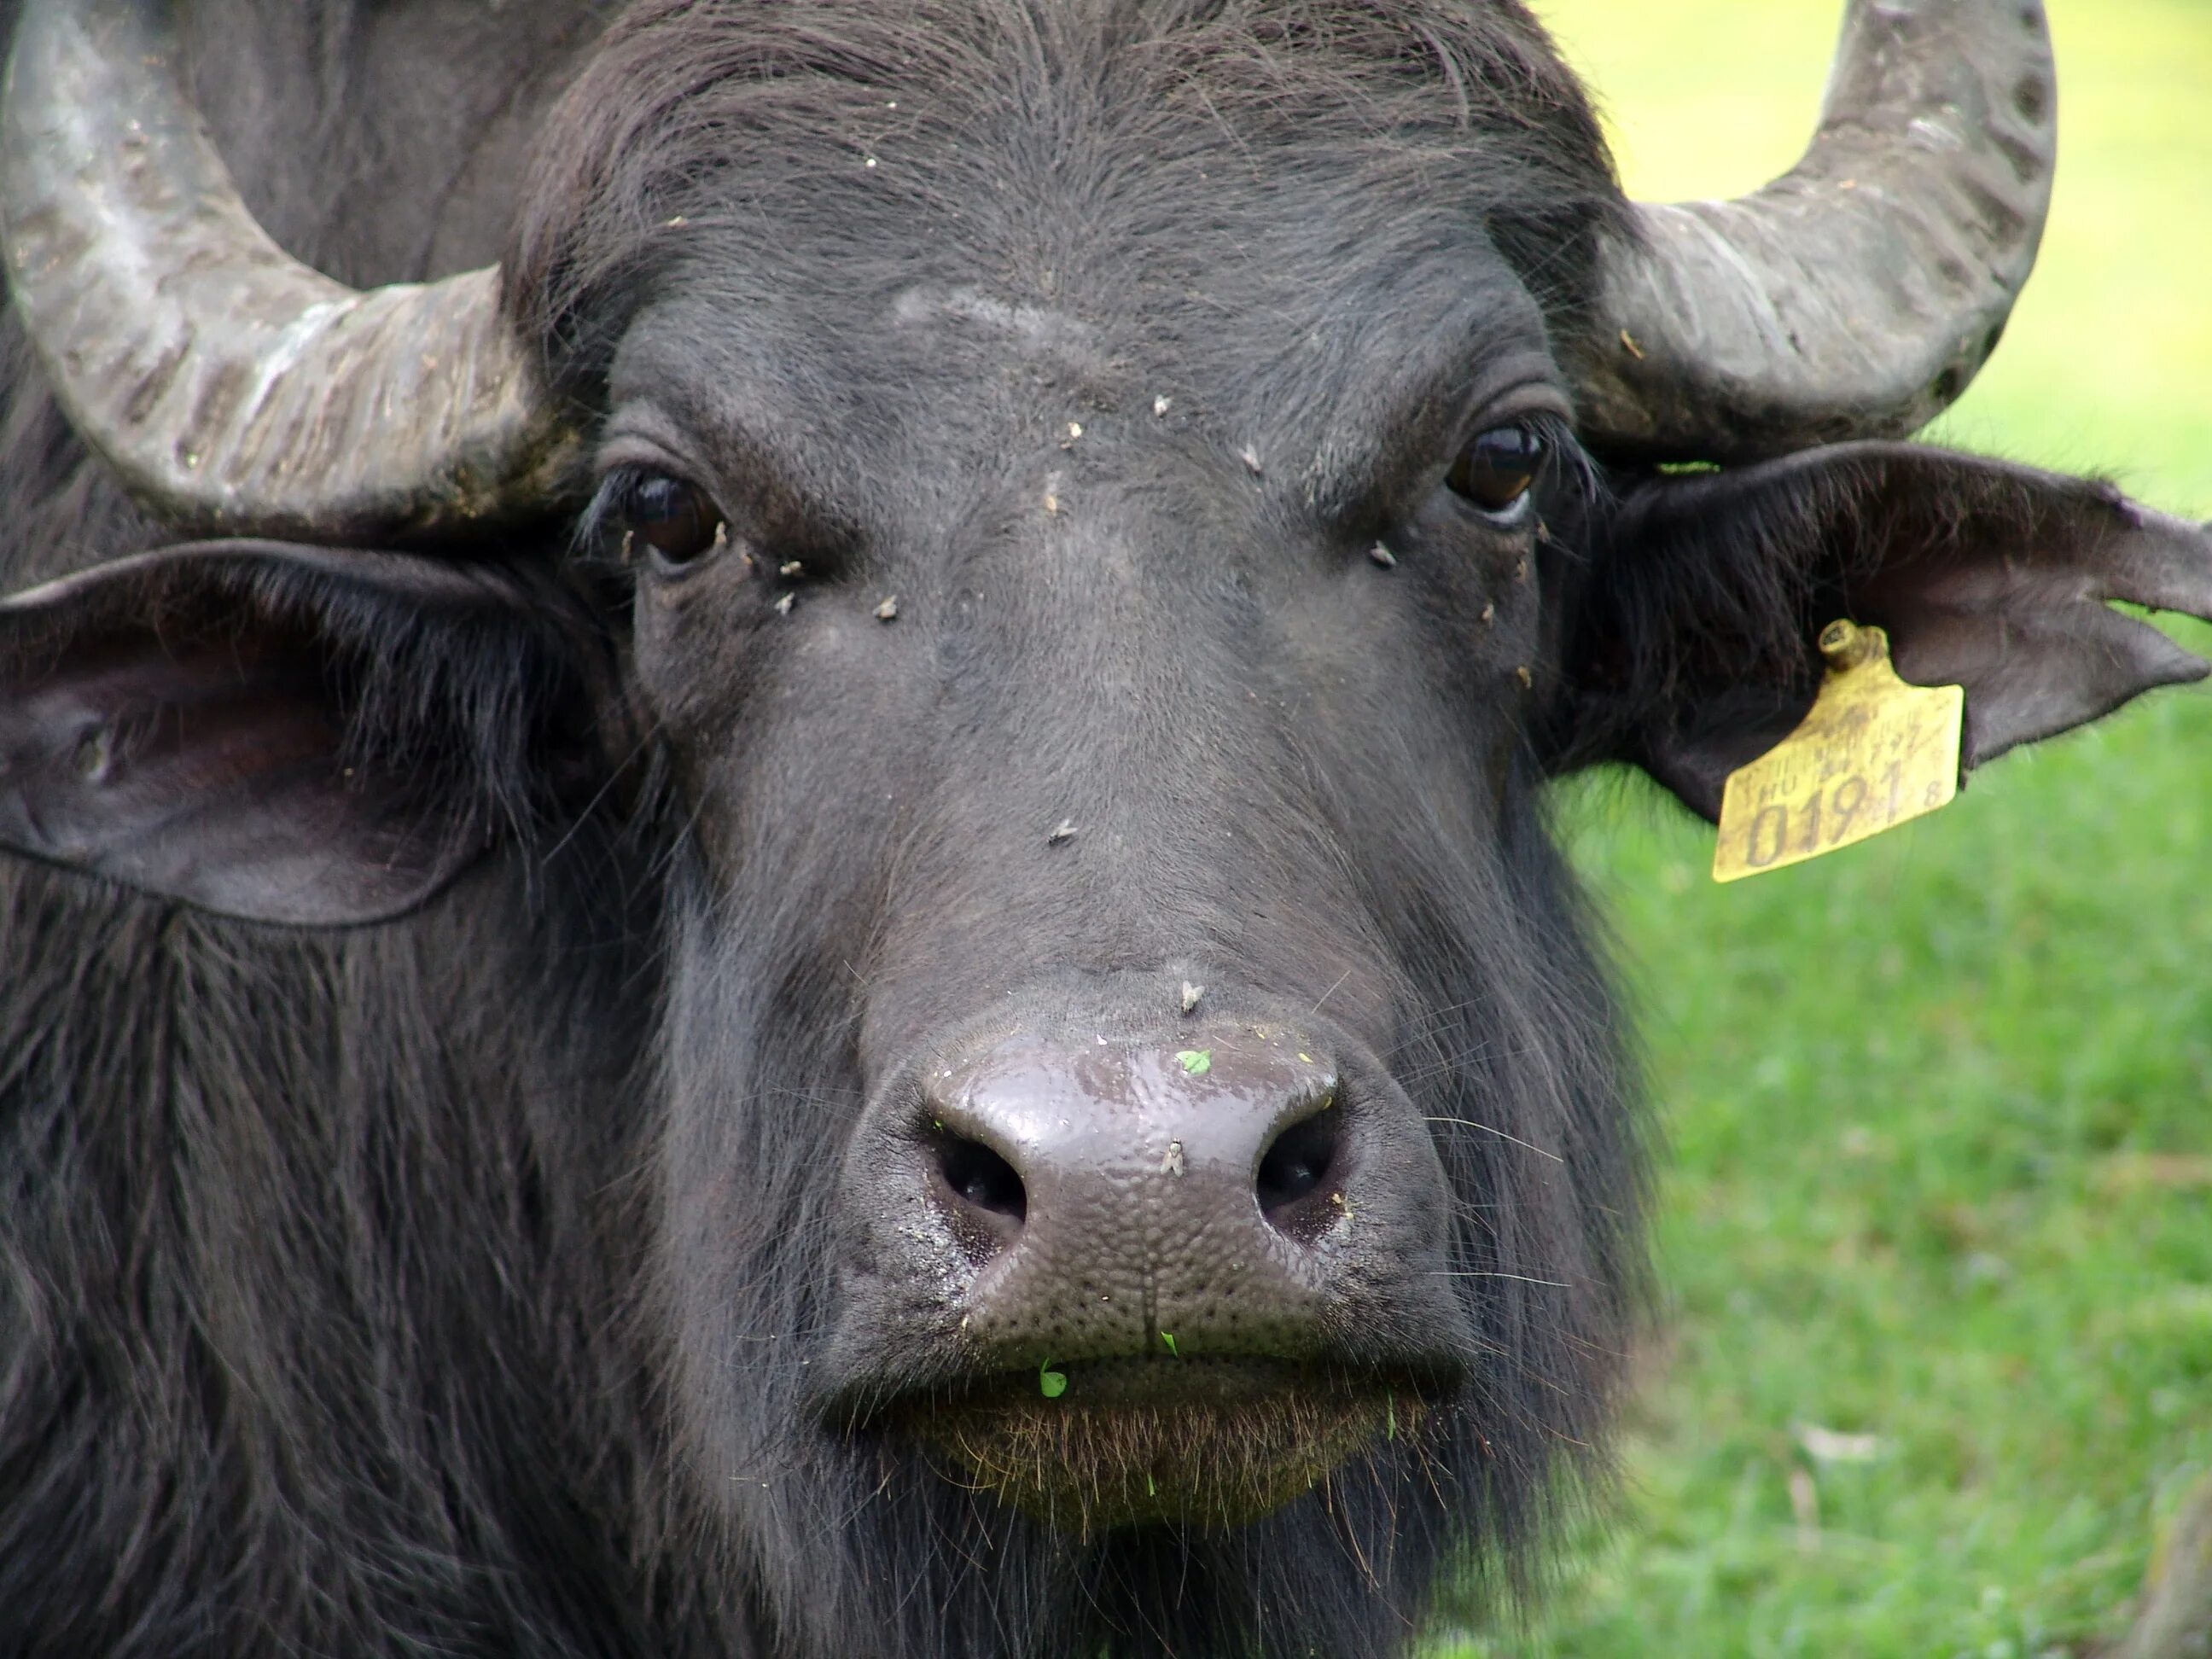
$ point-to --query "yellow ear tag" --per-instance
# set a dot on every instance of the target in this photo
(1871, 753)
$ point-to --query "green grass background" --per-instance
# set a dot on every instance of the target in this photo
(1940, 1106)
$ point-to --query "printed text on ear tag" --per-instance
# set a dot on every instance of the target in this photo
(1870, 753)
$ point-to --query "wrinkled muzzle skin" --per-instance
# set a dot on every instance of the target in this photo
(1164, 817)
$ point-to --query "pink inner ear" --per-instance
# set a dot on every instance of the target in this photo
(214, 774)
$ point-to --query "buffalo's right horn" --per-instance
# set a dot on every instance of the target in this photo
(233, 390)
(1855, 295)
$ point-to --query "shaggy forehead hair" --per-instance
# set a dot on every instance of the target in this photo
(693, 110)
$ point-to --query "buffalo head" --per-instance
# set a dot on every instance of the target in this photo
(1071, 538)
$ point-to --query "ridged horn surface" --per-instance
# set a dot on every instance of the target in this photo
(1858, 294)
(234, 390)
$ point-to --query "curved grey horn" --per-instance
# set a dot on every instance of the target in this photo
(1858, 294)
(235, 391)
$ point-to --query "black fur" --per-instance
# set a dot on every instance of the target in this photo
(457, 1287)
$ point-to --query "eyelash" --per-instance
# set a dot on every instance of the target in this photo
(1567, 465)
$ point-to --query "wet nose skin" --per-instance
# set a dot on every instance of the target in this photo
(1173, 1198)
(1224, 1192)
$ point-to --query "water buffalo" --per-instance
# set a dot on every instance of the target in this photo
(811, 914)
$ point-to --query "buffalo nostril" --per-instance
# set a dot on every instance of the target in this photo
(979, 1178)
(1297, 1165)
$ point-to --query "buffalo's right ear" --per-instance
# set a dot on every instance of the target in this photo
(291, 734)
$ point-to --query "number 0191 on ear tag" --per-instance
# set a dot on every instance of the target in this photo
(1872, 752)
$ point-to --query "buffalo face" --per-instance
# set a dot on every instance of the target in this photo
(1062, 576)
(1045, 643)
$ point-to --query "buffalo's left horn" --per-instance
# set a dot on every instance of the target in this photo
(1857, 294)
(235, 391)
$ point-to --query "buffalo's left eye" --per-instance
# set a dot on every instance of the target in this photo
(1498, 469)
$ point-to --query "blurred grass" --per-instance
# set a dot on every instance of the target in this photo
(1940, 1169)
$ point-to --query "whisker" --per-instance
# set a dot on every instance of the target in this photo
(1469, 1123)
(1331, 992)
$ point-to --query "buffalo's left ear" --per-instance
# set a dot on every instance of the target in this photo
(1688, 643)
(291, 734)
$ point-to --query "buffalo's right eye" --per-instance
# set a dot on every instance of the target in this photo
(678, 521)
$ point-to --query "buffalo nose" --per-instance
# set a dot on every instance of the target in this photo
(1121, 1198)
(1082, 1125)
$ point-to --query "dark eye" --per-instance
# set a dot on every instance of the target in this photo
(676, 519)
(1496, 471)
